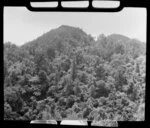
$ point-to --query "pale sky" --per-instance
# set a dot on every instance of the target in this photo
(22, 25)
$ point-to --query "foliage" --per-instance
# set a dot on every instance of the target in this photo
(65, 73)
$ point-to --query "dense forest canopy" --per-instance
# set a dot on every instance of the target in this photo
(66, 74)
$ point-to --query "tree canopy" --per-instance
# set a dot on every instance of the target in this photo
(66, 74)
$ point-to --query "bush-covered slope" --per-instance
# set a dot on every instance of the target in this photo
(65, 73)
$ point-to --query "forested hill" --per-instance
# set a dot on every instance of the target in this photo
(65, 73)
(59, 38)
(67, 37)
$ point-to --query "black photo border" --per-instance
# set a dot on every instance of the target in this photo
(124, 3)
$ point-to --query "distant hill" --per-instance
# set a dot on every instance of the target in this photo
(60, 37)
(133, 44)
(117, 37)
(68, 37)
